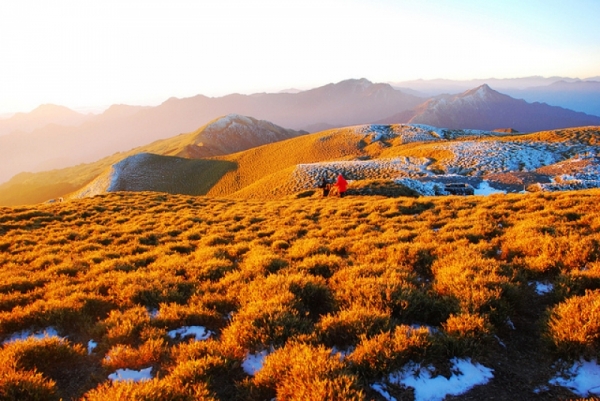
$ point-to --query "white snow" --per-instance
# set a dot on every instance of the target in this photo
(583, 378)
(485, 189)
(254, 362)
(423, 188)
(465, 375)
(91, 346)
(24, 334)
(499, 156)
(198, 332)
(543, 288)
(306, 176)
(130, 374)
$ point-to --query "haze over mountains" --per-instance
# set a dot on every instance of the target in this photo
(575, 94)
(60, 137)
(486, 109)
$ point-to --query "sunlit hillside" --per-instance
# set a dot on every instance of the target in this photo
(273, 167)
(310, 298)
(228, 134)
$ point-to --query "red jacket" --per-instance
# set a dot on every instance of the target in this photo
(341, 184)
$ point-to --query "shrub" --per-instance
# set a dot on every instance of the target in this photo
(125, 326)
(475, 281)
(321, 265)
(215, 372)
(151, 390)
(389, 351)
(305, 247)
(262, 261)
(286, 375)
(43, 354)
(574, 325)
(466, 333)
(16, 385)
(344, 328)
(126, 357)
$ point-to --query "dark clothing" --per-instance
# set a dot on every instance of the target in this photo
(325, 186)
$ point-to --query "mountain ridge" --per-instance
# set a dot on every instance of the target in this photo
(487, 109)
(339, 104)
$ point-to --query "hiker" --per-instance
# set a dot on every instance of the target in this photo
(341, 185)
(325, 186)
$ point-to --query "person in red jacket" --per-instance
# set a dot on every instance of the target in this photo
(341, 185)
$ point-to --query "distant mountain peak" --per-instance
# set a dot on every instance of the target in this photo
(51, 109)
(483, 91)
(227, 120)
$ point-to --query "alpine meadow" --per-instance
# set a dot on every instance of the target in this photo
(355, 241)
(333, 297)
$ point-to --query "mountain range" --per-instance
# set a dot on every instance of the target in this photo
(575, 94)
(54, 137)
(278, 163)
(487, 109)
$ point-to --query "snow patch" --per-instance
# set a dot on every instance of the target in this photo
(423, 188)
(198, 332)
(131, 375)
(91, 346)
(542, 288)
(24, 334)
(583, 378)
(254, 362)
(485, 189)
(465, 375)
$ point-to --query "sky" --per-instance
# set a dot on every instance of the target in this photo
(87, 55)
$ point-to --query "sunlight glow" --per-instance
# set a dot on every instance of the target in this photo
(83, 54)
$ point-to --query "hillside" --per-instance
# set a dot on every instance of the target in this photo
(216, 299)
(223, 135)
(486, 109)
(422, 158)
(415, 154)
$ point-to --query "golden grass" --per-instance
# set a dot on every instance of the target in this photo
(296, 277)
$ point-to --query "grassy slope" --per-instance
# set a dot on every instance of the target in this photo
(280, 158)
(302, 276)
(262, 172)
(28, 188)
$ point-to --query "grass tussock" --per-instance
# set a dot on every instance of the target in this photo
(339, 292)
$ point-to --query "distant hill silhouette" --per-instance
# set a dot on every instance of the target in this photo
(486, 109)
(574, 94)
(579, 95)
(40, 117)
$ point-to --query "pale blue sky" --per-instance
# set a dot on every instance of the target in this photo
(95, 53)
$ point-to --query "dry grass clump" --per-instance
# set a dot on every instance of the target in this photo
(22, 385)
(390, 350)
(295, 277)
(123, 356)
(574, 325)
(304, 372)
(474, 281)
(38, 369)
(155, 390)
(344, 328)
(466, 333)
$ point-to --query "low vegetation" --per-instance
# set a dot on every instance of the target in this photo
(338, 293)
